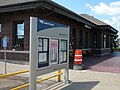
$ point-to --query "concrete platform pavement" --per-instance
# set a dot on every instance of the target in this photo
(109, 63)
(21, 79)
(81, 80)
(11, 67)
(103, 73)
(92, 80)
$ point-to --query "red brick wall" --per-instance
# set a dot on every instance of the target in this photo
(7, 28)
(15, 56)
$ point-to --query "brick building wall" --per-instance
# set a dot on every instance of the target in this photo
(7, 21)
(93, 39)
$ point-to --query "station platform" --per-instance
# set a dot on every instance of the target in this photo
(101, 73)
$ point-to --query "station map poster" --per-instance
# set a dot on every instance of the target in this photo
(63, 51)
(53, 51)
(42, 52)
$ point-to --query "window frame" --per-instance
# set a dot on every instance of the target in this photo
(15, 43)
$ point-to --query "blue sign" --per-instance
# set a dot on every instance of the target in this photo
(45, 24)
(4, 42)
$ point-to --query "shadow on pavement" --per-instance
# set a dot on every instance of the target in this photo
(12, 82)
(90, 61)
(93, 60)
(81, 85)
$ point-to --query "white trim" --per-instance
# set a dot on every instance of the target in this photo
(52, 37)
(78, 55)
(105, 54)
(105, 49)
(102, 49)
(12, 51)
(71, 50)
(85, 49)
(77, 59)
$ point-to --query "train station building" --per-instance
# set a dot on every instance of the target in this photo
(86, 32)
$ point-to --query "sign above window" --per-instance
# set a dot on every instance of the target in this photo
(87, 26)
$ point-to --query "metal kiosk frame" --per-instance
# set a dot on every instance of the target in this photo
(49, 49)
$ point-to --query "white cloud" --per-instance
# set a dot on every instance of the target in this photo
(102, 8)
(112, 11)
(114, 21)
(115, 4)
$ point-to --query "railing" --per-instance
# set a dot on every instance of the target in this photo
(12, 74)
(38, 81)
(58, 75)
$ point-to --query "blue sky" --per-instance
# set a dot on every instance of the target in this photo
(105, 10)
(79, 6)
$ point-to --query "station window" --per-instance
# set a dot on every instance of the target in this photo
(86, 40)
(81, 37)
(95, 35)
(0, 36)
(105, 41)
(18, 35)
(0, 28)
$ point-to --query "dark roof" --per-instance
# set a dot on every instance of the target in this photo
(16, 5)
(92, 19)
(8, 2)
(99, 23)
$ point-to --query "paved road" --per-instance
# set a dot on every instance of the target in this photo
(108, 63)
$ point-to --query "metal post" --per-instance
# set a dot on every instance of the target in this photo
(66, 70)
(59, 76)
(66, 75)
(5, 60)
(5, 40)
(33, 53)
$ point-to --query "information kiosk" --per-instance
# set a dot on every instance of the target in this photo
(49, 49)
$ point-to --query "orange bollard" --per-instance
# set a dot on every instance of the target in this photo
(78, 60)
(78, 57)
